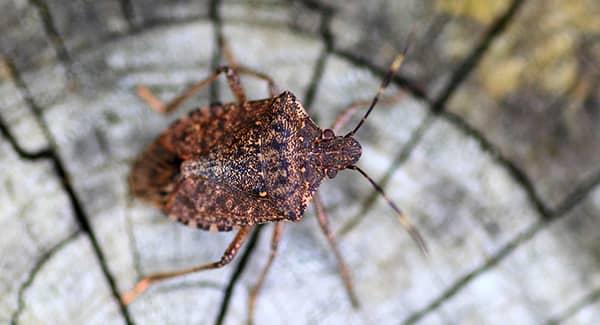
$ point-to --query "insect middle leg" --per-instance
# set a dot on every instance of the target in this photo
(342, 267)
(277, 231)
(228, 255)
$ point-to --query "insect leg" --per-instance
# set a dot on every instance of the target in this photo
(227, 53)
(228, 255)
(273, 89)
(278, 229)
(156, 104)
(344, 116)
(231, 61)
(343, 268)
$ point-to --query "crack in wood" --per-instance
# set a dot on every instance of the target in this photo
(473, 59)
(135, 253)
(239, 269)
(22, 153)
(516, 173)
(219, 38)
(573, 199)
(400, 159)
(315, 81)
(316, 5)
(129, 13)
(437, 106)
(319, 69)
(577, 195)
(589, 299)
(190, 285)
(43, 259)
(80, 215)
(54, 37)
(407, 84)
(22, 217)
(458, 285)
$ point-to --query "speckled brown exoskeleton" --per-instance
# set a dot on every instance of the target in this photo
(236, 165)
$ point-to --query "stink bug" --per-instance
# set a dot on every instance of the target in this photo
(236, 165)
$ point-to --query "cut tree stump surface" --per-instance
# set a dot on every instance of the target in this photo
(493, 150)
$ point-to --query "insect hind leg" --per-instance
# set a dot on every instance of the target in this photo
(277, 231)
(228, 255)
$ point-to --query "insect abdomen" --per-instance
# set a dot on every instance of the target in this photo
(154, 174)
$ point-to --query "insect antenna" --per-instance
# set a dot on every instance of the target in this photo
(402, 217)
(394, 67)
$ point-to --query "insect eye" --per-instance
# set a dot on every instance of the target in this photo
(328, 134)
(331, 173)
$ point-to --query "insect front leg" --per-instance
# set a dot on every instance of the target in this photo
(277, 231)
(273, 89)
(231, 61)
(346, 114)
(228, 255)
(155, 103)
(342, 267)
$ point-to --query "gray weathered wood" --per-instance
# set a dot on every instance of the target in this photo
(495, 256)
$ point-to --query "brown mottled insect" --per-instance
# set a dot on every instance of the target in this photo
(236, 165)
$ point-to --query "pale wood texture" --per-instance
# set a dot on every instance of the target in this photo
(502, 180)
